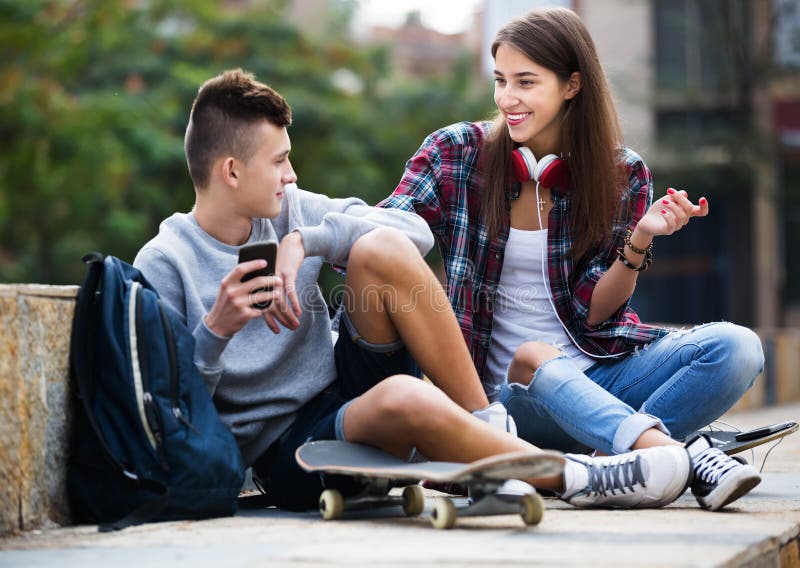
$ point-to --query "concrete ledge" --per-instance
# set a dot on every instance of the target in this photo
(35, 323)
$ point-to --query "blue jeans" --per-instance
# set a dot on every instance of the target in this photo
(678, 384)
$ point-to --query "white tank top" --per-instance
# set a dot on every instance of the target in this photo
(522, 309)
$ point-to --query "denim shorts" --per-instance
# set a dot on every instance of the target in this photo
(359, 366)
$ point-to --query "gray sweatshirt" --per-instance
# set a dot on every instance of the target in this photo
(260, 380)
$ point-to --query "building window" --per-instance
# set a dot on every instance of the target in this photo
(701, 47)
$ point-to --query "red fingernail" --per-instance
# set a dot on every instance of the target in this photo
(663, 211)
(670, 191)
(703, 200)
(665, 201)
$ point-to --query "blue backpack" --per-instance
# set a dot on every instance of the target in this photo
(147, 442)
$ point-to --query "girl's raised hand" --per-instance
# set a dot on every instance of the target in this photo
(671, 213)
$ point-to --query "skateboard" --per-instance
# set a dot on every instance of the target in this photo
(380, 472)
(732, 442)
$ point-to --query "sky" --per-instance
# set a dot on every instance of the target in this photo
(446, 16)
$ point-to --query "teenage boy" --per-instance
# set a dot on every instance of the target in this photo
(276, 376)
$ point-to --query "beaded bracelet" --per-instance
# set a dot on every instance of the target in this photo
(633, 247)
(648, 258)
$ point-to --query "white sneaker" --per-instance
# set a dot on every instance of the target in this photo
(718, 478)
(497, 415)
(509, 488)
(640, 479)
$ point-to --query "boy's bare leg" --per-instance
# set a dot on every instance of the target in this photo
(391, 293)
(402, 412)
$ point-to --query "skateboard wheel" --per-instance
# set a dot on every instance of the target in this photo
(531, 509)
(331, 504)
(444, 514)
(413, 500)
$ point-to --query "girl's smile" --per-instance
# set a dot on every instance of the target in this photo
(515, 119)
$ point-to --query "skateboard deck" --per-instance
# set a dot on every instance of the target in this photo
(726, 440)
(380, 472)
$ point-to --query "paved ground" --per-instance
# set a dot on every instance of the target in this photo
(762, 529)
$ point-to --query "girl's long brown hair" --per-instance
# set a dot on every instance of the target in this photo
(590, 134)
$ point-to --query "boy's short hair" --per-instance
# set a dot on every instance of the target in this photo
(224, 114)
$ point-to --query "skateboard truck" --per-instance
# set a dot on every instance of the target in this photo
(529, 506)
(332, 504)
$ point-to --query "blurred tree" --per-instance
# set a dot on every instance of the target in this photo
(94, 97)
(88, 153)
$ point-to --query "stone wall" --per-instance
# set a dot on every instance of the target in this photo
(35, 323)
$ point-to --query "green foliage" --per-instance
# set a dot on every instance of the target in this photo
(94, 97)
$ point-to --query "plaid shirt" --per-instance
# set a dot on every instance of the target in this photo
(442, 183)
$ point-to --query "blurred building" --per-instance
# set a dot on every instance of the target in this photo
(708, 94)
(784, 91)
(418, 51)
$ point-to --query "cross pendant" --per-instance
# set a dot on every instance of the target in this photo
(541, 203)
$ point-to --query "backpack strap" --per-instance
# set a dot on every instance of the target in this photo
(81, 365)
(257, 501)
(147, 512)
(80, 352)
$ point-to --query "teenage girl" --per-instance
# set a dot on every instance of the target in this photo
(544, 221)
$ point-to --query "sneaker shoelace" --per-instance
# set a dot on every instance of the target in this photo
(713, 464)
(610, 478)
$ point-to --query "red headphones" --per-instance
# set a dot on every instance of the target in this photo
(550, 171)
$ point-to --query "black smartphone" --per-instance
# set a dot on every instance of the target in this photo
(765, 431)
(267, 250)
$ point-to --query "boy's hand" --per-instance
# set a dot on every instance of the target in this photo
(237, 301)
(286, 306)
